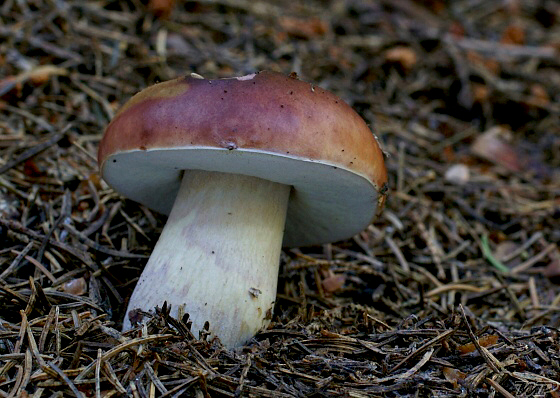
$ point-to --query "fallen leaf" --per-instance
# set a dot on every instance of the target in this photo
(76, 286)
(161, 8)
(404, 56)
(333, 283)
(480, 92)
(492, 146)
(485, 341)
(453, 375)
(31, 169)
(304, 28)
(513, 34)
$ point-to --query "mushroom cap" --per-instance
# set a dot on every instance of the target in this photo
(265, 125)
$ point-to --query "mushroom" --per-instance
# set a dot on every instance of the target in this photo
(242, 166)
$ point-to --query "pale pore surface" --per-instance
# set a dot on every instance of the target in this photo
(218, 254)
(327, 203)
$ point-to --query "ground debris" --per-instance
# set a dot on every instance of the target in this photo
(451, 292)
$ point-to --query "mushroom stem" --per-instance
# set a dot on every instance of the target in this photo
(218, 255)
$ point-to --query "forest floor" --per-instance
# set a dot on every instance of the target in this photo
(452, 292)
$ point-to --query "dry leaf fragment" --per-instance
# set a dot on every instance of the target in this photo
(404, 56)
(77, 286)
(485, 341)
(304, 28)
(513, 34)
(453, 375)
(161, 8)
(492, 147)
(333, 283)
(480, 92)
(539, 95)
(31, 169)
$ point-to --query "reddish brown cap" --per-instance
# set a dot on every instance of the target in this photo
(265, 125)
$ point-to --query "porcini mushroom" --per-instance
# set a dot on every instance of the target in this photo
(242, 166)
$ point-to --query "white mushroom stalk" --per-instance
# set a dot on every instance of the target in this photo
(218, 255)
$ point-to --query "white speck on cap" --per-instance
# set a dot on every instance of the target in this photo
(246, 77)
